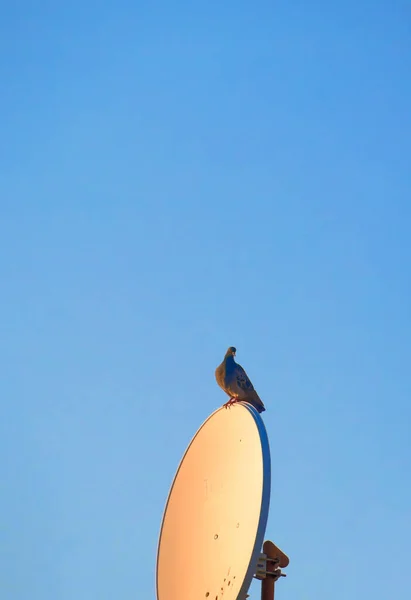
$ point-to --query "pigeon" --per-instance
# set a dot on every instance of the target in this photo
(235, 382)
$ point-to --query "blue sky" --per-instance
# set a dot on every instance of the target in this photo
(176, 178)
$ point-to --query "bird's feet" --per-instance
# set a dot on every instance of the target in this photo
(230, 402)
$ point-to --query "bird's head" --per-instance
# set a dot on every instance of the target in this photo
(231, 352)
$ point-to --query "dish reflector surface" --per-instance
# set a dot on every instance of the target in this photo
(216, 513)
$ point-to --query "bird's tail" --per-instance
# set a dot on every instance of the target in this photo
(257, 402)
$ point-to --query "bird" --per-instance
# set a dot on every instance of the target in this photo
(232, 378)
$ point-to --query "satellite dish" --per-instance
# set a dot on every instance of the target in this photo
(216, 513)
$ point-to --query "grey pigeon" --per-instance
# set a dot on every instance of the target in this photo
(235, 382)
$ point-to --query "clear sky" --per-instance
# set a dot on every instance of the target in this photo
(175, 178)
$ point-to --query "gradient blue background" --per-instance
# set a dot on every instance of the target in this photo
(175, 178)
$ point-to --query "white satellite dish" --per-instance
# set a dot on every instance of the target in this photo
(216, 513)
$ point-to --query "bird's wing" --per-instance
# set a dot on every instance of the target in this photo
(241, 386)
(238, 383)
(242, 379)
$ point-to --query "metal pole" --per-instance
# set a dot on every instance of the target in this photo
(267, 584)
(278, 561)
(267, 588)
